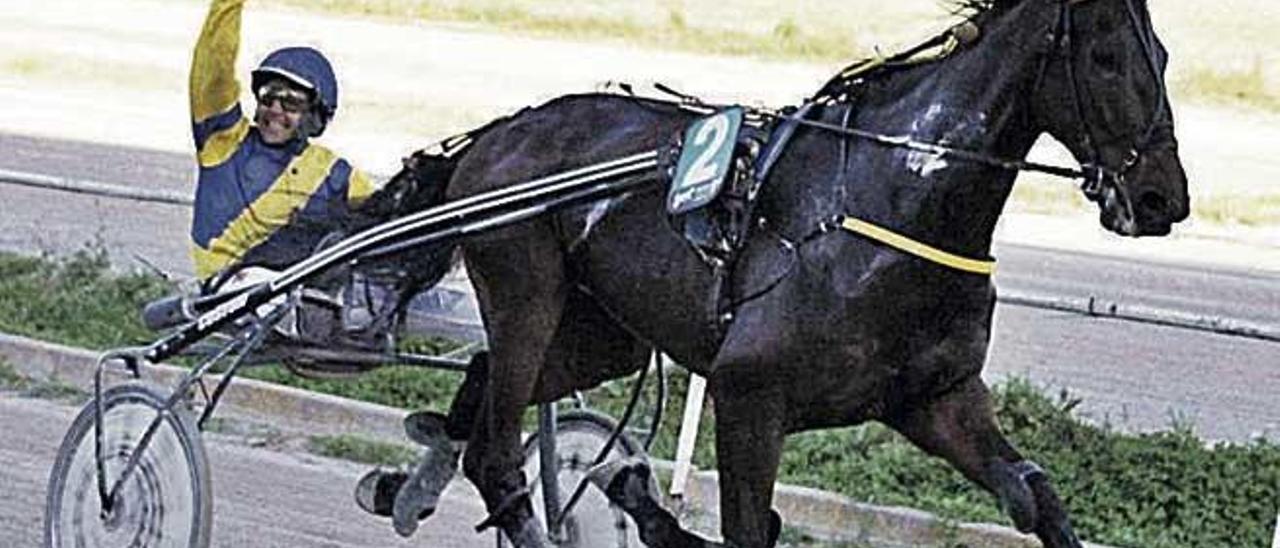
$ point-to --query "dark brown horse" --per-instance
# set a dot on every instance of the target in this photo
(828, 328)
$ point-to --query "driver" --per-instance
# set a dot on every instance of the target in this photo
(266, 195)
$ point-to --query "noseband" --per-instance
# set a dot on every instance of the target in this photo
(1096, 173)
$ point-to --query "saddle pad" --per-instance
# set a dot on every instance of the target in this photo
(706, 154)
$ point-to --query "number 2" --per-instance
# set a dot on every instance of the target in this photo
(703, 169)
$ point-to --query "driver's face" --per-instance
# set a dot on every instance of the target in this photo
(280, 111)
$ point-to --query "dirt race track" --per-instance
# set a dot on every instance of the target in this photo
(264, 494)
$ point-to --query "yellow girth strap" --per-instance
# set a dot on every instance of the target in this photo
(925, 251)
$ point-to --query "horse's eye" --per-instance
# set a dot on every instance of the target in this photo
(1106, 61)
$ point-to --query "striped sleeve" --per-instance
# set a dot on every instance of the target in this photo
(214, 89)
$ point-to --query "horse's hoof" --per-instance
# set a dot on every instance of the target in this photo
(1062, 536)
(417, 497)
(775, 527)
(1058, 539)
(376, 491)
(528, 534)
(626, 482)
(1013, 489)
(1053, 527)
(603, 474)
(427, 428)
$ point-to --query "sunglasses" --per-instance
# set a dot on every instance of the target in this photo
(291, 100)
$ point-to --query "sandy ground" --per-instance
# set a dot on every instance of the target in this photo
(114, 71)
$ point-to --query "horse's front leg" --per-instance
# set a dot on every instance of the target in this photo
(521, 289)
(960, 426)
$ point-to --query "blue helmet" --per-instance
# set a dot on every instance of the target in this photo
(308, 69)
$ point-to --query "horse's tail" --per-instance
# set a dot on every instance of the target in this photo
(421, 184)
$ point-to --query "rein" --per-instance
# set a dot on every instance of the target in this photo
(1092, 171)
(1095, 175)
(939, 149)
(905, 243)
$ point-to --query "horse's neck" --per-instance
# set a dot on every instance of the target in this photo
(973, 101)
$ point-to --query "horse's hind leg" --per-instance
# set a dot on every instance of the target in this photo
(521, 288)
(750, 414)
(960, 427)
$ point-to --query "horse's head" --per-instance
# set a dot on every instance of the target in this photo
(1101, 93)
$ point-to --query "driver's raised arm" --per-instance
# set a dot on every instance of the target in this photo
(218, 123)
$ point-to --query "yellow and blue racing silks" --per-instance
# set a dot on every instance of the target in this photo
(255, 203)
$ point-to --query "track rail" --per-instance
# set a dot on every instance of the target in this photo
(93, 188)
(1101, 308)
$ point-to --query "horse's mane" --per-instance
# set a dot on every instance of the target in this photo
(846, 83)
(975, 7)
(971, 6)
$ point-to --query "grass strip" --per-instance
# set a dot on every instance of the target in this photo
(74, 300)
(363, 450)
(1229, 85)
(784, 40)
(838, 34)
(1163, 489)
(57, 391)
(11, 379)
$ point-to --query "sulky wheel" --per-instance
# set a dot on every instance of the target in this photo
(167, 501)
(594, 521)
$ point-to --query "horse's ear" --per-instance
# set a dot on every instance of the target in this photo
(986, 5)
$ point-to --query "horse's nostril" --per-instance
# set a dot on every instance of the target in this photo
(1153, 203)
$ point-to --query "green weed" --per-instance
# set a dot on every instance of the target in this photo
(56, 391)
(363, 450)
(74, 300)
(11, 379)
(1253, 210)
(25, 65)
(1034, 195)
(836, 32)
(1230, 85)
(1160, 489)
(62, 66)
(786, 39)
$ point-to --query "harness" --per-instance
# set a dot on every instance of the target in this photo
(1099, 181)
(1098, 178)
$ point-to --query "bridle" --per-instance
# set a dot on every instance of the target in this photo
(1101, 183)
(1098, 176)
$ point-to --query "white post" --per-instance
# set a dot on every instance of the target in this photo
(1275, 540)
(688, 433)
